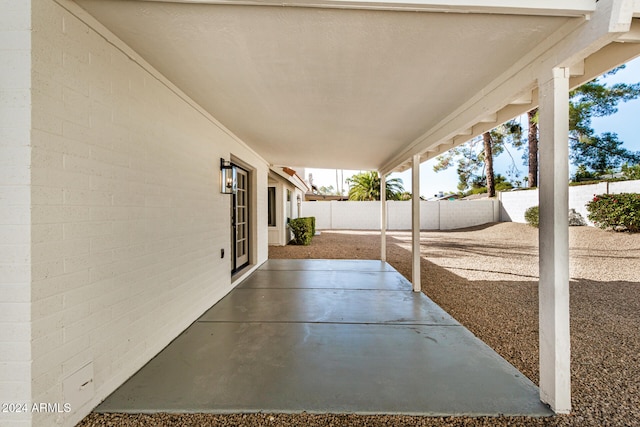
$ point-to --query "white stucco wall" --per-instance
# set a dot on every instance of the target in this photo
(15, 212)
(120, 171)
(445, 215)
(515, 203)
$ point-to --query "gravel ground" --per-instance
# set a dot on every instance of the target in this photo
(486, 277)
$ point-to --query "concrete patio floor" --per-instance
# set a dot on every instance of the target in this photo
(327, 336)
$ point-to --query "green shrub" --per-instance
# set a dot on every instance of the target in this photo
(303, 230)
(532, 216)
(313, 225)
(617, 211)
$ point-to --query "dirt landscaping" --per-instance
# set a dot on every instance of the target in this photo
(486, 277)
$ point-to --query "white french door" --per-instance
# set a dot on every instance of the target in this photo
(240, 221)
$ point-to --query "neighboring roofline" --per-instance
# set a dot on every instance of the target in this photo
(312, 197)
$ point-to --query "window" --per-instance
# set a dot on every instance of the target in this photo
(272, 207)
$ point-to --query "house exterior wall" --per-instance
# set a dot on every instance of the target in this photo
(280, 234)
(445, 215)
(15, 212)
(127, 219)
(513, 204)
(275, 232)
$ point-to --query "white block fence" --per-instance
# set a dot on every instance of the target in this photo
(513, 204)
(441, 215)
(448, 215)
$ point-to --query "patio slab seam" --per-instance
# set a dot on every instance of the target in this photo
(328, 350)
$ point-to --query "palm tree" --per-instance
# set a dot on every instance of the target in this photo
(366, 186)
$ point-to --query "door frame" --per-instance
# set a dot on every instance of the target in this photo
(241, 167)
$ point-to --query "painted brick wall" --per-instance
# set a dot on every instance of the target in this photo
(444, 215)
(15, 229)
(127, 217)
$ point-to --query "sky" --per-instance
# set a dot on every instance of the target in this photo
(626, 123)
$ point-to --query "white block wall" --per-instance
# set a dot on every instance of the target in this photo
(624, 187)
(119, 171)
(580, 195)
(515, 203)
(399, 215)
(467, 213)
(355, 215)
(445, 215)
(320, 210)
(15, 195)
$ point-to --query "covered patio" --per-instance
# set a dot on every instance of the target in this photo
(120, 117)
(328, 336)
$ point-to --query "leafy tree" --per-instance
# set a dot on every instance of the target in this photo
(601, 153)
(327, 191)
(583, 174)
(467, 160)
(501, 184)
(532, 147)
(631, 172)
(469, 157)
(598, 153)
(366, 186)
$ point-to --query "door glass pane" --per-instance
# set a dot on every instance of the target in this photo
(272, 207)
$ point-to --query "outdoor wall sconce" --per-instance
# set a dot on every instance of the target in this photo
(299, 201)
(228, 179)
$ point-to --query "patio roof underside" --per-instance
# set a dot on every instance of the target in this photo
(361, 85)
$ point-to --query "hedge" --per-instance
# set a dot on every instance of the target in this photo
(303, 230)
(532, 216)
(620, 212)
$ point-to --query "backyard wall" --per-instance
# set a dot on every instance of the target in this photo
(111, 221)
(513, 204)
(443, 215)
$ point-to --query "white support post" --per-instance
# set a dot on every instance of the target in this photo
(383, 217)
(415, 223)
(553, 290)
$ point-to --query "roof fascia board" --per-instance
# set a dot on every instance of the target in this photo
(294, 180)
(633, 35)
(567, 46)
(518, 80)
(509, 7)
(611, 56)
